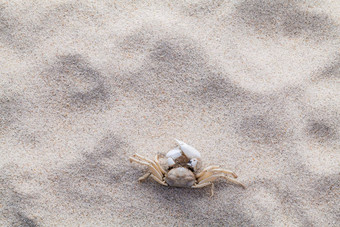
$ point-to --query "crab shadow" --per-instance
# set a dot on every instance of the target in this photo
(198, 207)
(16, 207)
(184, 197)
(175, 194)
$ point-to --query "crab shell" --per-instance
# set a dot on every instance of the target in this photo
(180, 177)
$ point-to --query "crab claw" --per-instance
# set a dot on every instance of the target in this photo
(188, 150)
(171, 162)
(174, 153)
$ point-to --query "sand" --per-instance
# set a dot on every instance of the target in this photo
(253, 85)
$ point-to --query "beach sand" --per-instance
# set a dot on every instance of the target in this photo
(253, 85)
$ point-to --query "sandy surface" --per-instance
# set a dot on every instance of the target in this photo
(253, 85)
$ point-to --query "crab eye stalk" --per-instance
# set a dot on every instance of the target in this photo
(193, 162)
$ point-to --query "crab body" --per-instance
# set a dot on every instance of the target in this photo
(181, 169)
(180, 177)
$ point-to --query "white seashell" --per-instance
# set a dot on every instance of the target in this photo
(188, 150)
(171, 162)
(174, 153)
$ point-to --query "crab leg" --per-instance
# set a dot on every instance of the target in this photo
(158, 165)
(201, 185)
(234, 181)
(146, 159)
(207, 172)
(204, 185)
(158, 180)
(210, 178)
(154, 171)
(215, 176)
(149, 161)
(204, 176)
(144, 177)
(224, 171)
(206, 169)
(142, 157)
(214, 171)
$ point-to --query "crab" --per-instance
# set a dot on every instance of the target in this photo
(182, 169)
